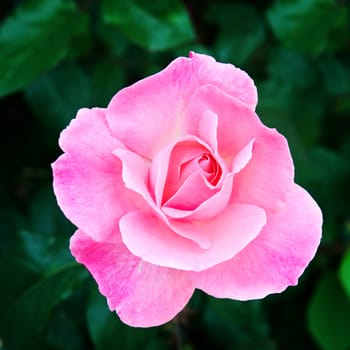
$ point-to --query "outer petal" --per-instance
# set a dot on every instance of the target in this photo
(268, 177)
(143, 295)
(228, 78)
(87, 178)
(275, 259)
(149, 114)
(148, 237)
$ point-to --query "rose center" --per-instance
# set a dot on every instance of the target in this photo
(191, 167)
(205, 163)
(210, 168)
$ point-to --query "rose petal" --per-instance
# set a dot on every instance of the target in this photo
(268, 177)
(243, 157)
(275, 259)
(148, 237)
(188, 230)
(87, 178)
(144, 295)
(84, 130)
(135, 173)
(149, 114)
(191, 193)
(208, 208)
(159, 172)
(218, 201)
(207, 129)
(183, 152)
(166, 165)
(228, 78)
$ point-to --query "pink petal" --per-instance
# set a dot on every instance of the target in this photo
(218, 201)
(148, 237)
(135, 177)
(159, 172)
(268, 177)
(87, 178)
(166, 165)
(183, 151)
(231, 80)
(207, 129)
(208, 208)
(143, 295)
(191, 193)
(149, 114)
(135, 173)
(275, 259)
(84, 130)
(243, 157)
(188, 230)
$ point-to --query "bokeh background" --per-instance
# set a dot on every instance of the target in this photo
(59, 55)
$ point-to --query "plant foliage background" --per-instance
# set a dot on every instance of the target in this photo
(59, 55)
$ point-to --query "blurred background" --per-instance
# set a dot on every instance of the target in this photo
(59, 55)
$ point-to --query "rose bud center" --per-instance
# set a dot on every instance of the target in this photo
(193, 170)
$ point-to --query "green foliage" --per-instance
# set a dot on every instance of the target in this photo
(344, 273)
(311, 26)
(335, 76)
(241, 32)
(55, 97)
(35, 38)
(39, 270)
(61, 55)
(236, 325)
(155, 27)
(329, 321)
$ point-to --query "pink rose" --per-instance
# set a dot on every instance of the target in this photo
(177, 185)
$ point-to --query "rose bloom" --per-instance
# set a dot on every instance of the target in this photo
(177, 185)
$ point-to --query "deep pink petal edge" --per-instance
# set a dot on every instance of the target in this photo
(142, 294)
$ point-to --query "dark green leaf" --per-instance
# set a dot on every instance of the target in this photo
(45, 215)
(240, 324)
(290, 68)
(37, 301)
(43, 253)
(310, 26)
(63, 332)
(155, 32)
(10, 223)
(326, 176)
(35, 38)
(107, 79)
(329, 314)
(14, 278)
(344, 273)
(241, 32)
(51, 289)
(113, 39)
(56, 97)
(45, 246)
(336, 77)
